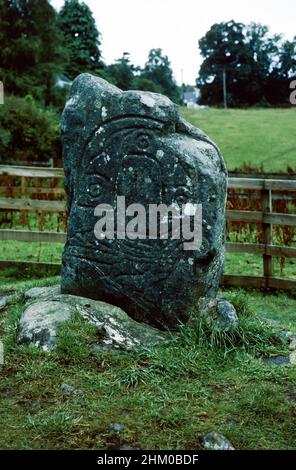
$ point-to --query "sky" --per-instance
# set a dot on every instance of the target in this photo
(175, 26)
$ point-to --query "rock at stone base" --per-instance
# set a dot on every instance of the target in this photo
(47, 308)
(218, 312)
(39, 323)
(215, 441)
(42, 317)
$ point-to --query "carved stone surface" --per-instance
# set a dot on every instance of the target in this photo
(135, 144)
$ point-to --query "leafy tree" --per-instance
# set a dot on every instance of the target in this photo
(121, 73)
(287, 59)
(257, 65)
(224, 49)
(263, 47)
(145, 84)
(31, 53)
(277, 88)
(158, 70)
(263, 50)
(27, 131)
(127, 76)
(82, 38)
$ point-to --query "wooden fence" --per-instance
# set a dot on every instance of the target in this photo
(266, 217)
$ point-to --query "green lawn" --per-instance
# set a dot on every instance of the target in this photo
(236, 263)
(255, 137)
(250, 264)
(165, 396)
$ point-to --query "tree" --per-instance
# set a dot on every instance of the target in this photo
(31, 53)
(158, 70)
(257, 65)
(82, 38)
(224, 50)
(287, 58)
(127, 76)
(278, 84)
(263, 50)
(145, 84)
(121, 73)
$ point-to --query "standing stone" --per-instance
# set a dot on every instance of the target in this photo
(135, 144)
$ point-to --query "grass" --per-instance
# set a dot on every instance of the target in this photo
(250, 264)
(165, 396)
(259, 138)
(236, 263)
(36, 251)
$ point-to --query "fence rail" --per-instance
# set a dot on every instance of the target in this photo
(266, 217)
(31, 172)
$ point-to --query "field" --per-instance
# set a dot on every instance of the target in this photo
(236, 263)
(164, 397)
(258, 138)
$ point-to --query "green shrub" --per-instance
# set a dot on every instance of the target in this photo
(28, 133)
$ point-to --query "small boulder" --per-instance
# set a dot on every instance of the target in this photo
(4, 300)
(215, 441)
(218, 312)
(117, 427)
(281, 361)
(69, 390)
(40, 321)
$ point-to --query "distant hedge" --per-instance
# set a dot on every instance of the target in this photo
(28, 132)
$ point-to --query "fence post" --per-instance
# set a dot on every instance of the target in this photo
(266, 200)
(23, 214)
